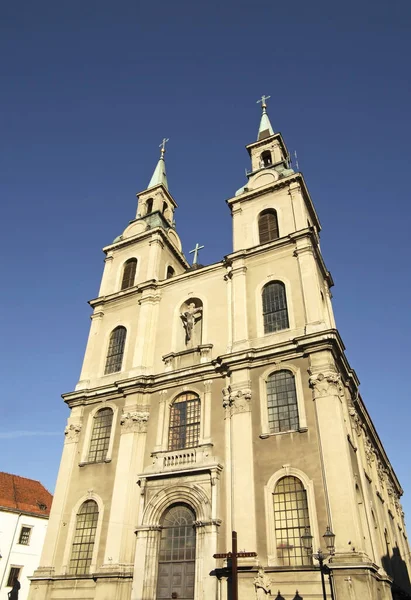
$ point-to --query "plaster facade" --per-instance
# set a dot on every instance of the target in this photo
(228, 478)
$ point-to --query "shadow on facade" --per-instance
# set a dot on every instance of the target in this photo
(396, 568)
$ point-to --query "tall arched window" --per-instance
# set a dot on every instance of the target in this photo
(170, 272)
(274, 307)
(268, 226)
(282, 402)
(184, 428)
(149, 206)
(129, 273)
(115, 350)
(100, 435)
(291, 520)
(176, 565)
(84, 536)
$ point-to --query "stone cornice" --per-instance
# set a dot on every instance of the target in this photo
(148, 233)
(276, 185)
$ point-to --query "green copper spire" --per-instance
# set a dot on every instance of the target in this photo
(159, 176)
(265, 129)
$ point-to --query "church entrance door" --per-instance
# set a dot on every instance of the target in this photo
(176, 565)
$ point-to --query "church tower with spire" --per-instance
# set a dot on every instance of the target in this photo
(218, 399)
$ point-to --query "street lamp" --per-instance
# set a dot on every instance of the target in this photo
(329, 538)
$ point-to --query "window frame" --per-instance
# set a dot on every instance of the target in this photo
(275, 311)
(71, 532)
(84, 541)
(89, 429)
(29, 527)
(120, 325)
(269, 489)
(259, 308)
(299, 391)
(108, 438)
(268, 211)
(131, 260)
(11, 578)
(195, 397)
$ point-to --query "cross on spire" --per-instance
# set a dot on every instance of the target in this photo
(195, 250)
(163, 146)
(263, 102)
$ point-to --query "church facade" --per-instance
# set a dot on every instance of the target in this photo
(215, 399)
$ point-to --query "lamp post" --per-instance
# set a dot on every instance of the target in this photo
(307, 542)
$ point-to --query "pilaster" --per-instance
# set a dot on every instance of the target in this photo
(304, 254)
(338, 477)
(69, 460)
(87, 371)
(237, 405)
(239, 310)
(120, 537)
(147, 321)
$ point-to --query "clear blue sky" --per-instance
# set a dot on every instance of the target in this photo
(89, 89)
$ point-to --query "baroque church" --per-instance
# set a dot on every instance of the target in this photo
(215, 399)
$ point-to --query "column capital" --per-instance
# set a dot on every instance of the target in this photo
(72, 433)
(326, 384)
(236, 401)
(135, 421)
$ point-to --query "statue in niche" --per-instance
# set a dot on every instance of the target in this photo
(262, 584)
(191, 316)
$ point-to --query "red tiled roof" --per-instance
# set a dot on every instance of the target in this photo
(22, 494)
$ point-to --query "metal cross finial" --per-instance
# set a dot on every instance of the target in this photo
(196, 249)
(163, 146)
(263, 101)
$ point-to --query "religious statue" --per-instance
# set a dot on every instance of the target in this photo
(190, 318)
(262, 584)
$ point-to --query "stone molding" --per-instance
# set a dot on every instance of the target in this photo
(358, 425)
(135, 421)
(236, 401)
(72, 433)
(326, 384)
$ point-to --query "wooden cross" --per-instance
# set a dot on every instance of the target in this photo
(263, 101)
(163, 145)
(233, 556)
(195, 250)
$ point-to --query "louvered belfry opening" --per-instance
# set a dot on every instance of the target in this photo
(129, 273)
(268, 226)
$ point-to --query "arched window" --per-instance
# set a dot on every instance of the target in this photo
(184, 428)
(115, 350)
(100, 435)
(268, 226)
(170, 272)
(282, 402)
(176, 565)
(265, 159)
(84, 536)
(164, 207)
(149, 206)
(129, 273)
(291, 520)
(274, 307)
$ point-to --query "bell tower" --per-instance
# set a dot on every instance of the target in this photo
(273, 187)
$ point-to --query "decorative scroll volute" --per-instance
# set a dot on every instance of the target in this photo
(236, 401)
(326, 384)
(134, 421)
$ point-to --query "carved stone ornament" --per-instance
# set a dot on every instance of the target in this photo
(326, 384)
(236, 401)
(262, 584)
(381, 473)
(134, 421)
(355, 419)
(369, 450)
(389, 485)
(72, 433)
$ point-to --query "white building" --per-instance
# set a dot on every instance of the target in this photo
(24, 512)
